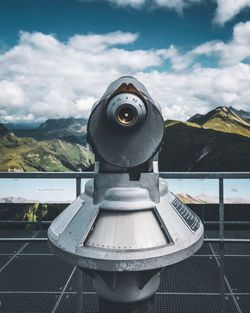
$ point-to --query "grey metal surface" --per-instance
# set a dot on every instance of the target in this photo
(126, 231)
(117, 191)
(61, 222)
(146, 140)
(126, 287)
(126, 80)
(70, 245)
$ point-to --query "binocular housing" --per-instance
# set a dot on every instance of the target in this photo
(125, 127)
(127, 226)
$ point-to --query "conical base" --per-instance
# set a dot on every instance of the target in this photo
(133, 234)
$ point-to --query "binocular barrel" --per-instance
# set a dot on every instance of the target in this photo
(126, 127)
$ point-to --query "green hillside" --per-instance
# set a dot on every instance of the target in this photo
(189, 147)
(27, 154)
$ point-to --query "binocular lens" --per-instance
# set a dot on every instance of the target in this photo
(126, 115)
(126, 110)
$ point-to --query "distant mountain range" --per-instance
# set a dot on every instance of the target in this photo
(14, 126)
(216, 141)
(186, 198)
(16, 200)
(73, 130)
(205, 198)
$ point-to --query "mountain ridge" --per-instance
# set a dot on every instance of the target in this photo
(224, 119)
(73, 130)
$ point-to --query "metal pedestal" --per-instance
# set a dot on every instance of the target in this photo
(146, 306)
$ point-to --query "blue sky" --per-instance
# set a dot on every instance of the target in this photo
(58, 56)
(68, 17)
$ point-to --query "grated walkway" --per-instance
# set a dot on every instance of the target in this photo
(32, 280)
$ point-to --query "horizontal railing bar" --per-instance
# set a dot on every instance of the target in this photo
(26, 222)
(23, 239)
(177, 175)
(227, 222)
(227, 240)
(207, 240)
(206, 175)
(66, 175)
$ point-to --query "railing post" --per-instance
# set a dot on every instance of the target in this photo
(221, 208)
(221, 244)
(78, 186)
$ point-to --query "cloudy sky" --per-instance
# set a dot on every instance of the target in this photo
(58, 56)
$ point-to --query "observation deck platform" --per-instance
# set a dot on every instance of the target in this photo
(32, 280)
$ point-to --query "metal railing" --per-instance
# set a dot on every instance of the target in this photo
(78, 176)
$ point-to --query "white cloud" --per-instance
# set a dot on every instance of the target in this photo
(132, 3)
(42, 77)
(49, 78)
(177, 5)
(227, 9)
(11, 94)
(97, 43)
(228, 54)
(186, 93)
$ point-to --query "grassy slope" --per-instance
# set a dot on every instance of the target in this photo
(233, 127)
(30, 155)
(191, 148)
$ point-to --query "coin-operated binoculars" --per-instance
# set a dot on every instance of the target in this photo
(126, 226)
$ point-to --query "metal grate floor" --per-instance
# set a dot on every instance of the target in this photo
(32, 280)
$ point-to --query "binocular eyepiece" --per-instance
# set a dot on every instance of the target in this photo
(126, 110)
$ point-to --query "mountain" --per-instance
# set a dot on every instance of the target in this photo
(206, 198)
(4, 132)
(191, 147)
(186, 198)
(216, 141)
(71, 129)
(16, 200)
(14, 126)
(28, 154)
(195, 118)
(224, 119)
